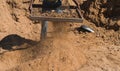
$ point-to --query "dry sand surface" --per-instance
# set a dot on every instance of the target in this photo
(66, 47)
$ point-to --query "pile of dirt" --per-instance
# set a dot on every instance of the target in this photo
(103, 13)
(14, 20)
(53, 54)
(66, 48)
(56, 54)
(65, 13)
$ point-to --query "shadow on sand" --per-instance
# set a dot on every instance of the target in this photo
(15, 40)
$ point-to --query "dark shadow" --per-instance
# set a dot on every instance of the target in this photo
(15, 40)
(112, 12)
(79, 29)
(116, 27)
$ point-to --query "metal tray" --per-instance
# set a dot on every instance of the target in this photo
(51, 18)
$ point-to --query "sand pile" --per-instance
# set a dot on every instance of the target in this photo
(56, 53)
(65, 49)
(103, 13)
(14, 20)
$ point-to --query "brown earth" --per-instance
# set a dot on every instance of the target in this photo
(103, 13)
(65, 48)
(65, 14)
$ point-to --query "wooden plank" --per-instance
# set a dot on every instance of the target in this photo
(35, 18)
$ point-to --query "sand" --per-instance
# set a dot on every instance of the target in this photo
(65, 48)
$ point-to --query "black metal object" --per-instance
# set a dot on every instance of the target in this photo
(52, 4)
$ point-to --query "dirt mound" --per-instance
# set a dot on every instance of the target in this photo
(52, 55)
(65, 49)
(14, 20)
(103, 13)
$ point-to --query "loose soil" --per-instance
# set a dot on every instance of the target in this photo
(66, 13)
(66, 48)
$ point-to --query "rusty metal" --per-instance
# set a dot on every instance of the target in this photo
(35, 18)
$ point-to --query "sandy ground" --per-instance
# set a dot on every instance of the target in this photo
(65, 48)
